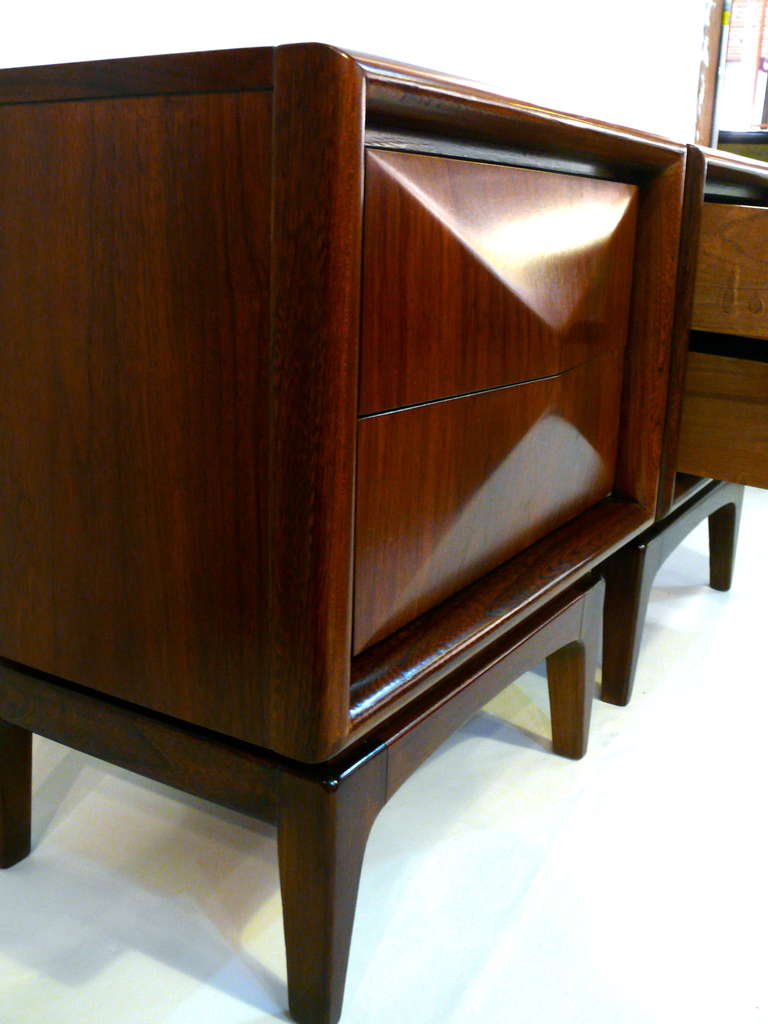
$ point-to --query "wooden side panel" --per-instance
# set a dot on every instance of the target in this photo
(478, 275)
(731, 293)
(212, 71)
(724, 430)
(448, 491)
(134, 276)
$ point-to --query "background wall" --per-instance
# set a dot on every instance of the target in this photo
(627, 61)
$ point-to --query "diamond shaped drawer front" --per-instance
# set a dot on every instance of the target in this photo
(478, 275)
(448, 490)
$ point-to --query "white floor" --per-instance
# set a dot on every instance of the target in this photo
(502, 883)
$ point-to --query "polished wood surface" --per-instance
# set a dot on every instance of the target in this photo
(447, 491)
(410, 107)
(735, 179)
(717, 186)
(652, 336)
(134, 297)
(323, 813)
(196, 761)
(478, 275)
(695, 173)
(571, 673)
(401, 98)
(15, 793)
(203, 533)
(731, 294)
(630, 573)
(322, 834)
(316, 225)
(412, 661)
(180, 386)
(565, 632)
(724, 429)
(686, 486)
(168, 73)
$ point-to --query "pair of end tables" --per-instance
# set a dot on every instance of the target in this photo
(333, 394)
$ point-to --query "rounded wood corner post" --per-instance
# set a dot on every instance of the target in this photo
(317, 200)
(695, 171)
(646, 382)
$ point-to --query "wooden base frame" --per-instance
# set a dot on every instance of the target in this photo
(324, 812)
(629, 575)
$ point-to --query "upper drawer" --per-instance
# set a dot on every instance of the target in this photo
(479, 275)
(731, 292)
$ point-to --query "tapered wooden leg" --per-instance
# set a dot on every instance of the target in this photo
(322, 833)
(571, 680)
(15, 793)
(629, 576)
(723, 535)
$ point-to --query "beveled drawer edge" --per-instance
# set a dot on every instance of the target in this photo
(605, 353)
(393, 672)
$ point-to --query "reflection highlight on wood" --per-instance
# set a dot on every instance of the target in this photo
(478, 275)
(450, 490)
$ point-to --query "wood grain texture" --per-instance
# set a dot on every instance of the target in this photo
(394, 672)
(478, 275)
(15, 793)
(449, 490)
(134, 263)
(405, 103)
(226, 772)
(731, 293)
(695, 172)
(646, 380)
(211, 71)
(317, 226)
(724, 429)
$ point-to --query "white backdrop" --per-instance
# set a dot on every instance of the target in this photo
(628, 61)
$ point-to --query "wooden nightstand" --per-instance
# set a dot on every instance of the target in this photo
(717, 422)
(326, 385)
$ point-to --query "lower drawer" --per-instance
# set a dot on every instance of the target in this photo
(724, 429)
(448, 490)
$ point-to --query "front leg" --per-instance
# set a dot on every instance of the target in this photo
(15, 793)
(322, 832)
